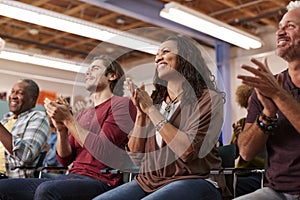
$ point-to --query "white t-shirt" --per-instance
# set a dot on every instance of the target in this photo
(167, 115)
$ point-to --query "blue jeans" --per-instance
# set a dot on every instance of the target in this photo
(187, 189)
(64, 187)
(247, 184)
(267, 193)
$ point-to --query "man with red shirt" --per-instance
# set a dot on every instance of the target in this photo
(93, 141)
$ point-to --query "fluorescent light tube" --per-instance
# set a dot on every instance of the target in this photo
(208, 25)
(41, 60)
(54, 20)
(44, 78)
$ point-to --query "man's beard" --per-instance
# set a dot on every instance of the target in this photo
(91, 88)
(290, 53)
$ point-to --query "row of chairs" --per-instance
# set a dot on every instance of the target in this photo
(228, 154)
(128, 174)
(40, 171)
(39, 168)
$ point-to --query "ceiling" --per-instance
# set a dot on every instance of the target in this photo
(134, 16)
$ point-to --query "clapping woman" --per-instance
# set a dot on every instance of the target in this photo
(176, 129)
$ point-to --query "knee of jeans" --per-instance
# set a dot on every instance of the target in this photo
(42, 190)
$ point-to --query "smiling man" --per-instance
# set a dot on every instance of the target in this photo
(24, 130)
(274, 115)
(90, 142)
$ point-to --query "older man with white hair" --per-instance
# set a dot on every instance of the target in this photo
(274, 114)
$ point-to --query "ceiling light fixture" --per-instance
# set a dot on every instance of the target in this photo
(208, 25)
(38, 59)
(54, 20)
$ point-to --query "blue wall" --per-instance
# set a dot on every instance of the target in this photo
(4, 108)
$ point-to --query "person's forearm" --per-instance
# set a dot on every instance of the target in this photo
(76, 130)
(63, 147)
(174, 138)
(6, 138)
(251, 141)
(138, 135)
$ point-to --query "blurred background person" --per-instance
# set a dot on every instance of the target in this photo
(246, 182)
(50, 160)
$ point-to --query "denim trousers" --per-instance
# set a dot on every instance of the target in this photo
(187, 189)
(267, 193)
(247, 184)
(63, 187)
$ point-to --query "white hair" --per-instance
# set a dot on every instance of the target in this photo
(292, 5)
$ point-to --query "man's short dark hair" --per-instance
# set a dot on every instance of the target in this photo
(33, 88)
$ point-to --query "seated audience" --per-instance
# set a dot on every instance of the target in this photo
(177, 127)
(95, 140)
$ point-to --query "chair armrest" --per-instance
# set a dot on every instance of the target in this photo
(54, 168)
(227, 170)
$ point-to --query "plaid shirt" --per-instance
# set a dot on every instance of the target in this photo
(30, 133)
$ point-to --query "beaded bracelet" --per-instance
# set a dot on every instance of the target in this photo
(269, 119)
(266, 127)
(160, 124)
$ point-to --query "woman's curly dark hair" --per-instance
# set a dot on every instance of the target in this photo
(192, 67)
(243, 93)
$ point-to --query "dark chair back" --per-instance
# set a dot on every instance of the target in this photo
(39, 164)
(228, 155)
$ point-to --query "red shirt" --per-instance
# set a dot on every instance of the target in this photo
(108, 123)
